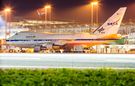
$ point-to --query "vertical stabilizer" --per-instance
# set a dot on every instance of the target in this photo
(112, 25)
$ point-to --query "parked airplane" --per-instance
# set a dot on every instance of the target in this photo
(107, 32)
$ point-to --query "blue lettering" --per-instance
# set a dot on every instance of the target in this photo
(114, 23)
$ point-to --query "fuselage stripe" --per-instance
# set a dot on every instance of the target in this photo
(16, 40)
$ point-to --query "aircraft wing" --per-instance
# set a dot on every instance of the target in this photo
(125, 35)
(58, 42)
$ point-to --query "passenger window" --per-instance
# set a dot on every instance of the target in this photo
(16, 34)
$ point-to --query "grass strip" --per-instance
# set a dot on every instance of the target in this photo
(67, 77)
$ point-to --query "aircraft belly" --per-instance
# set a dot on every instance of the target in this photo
(25, 44)
(89, 42)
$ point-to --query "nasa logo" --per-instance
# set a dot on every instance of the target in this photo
(114, 23)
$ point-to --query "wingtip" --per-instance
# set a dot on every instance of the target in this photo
(123, 7)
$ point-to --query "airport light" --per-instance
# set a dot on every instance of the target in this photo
(46, 7)
(7, 9)
(93, 3)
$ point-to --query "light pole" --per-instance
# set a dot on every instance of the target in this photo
(46, 18)
(50, 19)
(97, 16)
(93, 3)
(9, 24)
(7, 10)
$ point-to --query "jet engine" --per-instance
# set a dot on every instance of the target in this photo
(37, 48)
(45, 46)
(49, 46)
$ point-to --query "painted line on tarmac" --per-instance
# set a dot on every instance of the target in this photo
(121, 61)
(16, 58)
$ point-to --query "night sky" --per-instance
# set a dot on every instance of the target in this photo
(78, 10)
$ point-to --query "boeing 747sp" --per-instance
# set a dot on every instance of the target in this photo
(107, 32)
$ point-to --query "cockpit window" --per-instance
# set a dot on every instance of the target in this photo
(16, 34)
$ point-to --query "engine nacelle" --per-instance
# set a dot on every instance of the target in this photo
(37, 48)
(45, 46)
(49, 46)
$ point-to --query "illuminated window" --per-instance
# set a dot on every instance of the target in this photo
(33, 21)
(16, 34)
(29, 21)
(40, 22)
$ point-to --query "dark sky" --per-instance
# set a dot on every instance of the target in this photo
(78, 10)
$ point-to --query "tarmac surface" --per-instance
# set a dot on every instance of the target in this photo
(43, 61)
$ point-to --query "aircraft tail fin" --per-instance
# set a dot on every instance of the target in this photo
(112, 25)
